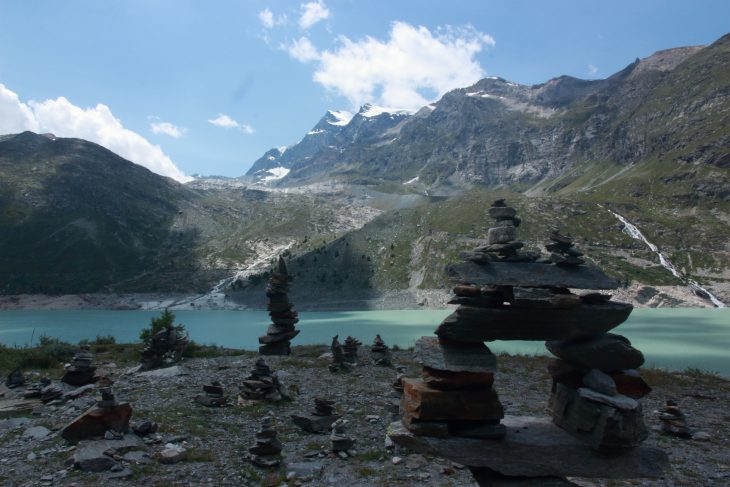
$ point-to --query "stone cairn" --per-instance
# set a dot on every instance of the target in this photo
(338, 357)
(380, 352)
(262, 384)
(340, 442)
(166, 346)
(505, 294)
(213, 395)
(267, 450)
(80, 371)
(283, 317)
(320, 420)
(673, 421)
(349, 349)
(15, 378)
(109, 417)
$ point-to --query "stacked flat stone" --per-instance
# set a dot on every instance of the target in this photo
(283, 317)
(562, 251)
(338, 357)
(267, 450)
(380, 352)
(213, 395)
(320, 420)
(673, 421)
(503, 294)
(80, 371)
(349, 349)
(596, 389)
(15, 378)
(166, 346)
(262, 384)
(340, 441)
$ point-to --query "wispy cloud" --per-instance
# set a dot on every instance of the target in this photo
(96, 124)
(302, 50)
(266, 17)
(592, 70)
(269, 20)
(313, 12)
(226, 122)
(396, 72)
(166, 128)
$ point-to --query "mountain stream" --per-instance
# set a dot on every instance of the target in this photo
(633, 232)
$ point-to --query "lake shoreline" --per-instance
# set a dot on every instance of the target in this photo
(640, 296)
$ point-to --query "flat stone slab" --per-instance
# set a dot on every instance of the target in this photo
(535, 447)
(90, 457)
(11, 407)
(529, 274)
(462, 357)
(173, 371)
(511, 323)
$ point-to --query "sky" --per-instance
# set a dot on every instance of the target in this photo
(188, 87)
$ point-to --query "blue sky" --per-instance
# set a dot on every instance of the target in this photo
(189, 87)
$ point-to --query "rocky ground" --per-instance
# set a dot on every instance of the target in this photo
(216, 439)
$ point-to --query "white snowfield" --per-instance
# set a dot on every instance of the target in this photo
(343, 117)
(274, 174)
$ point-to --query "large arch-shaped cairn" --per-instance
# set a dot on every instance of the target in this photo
(596, 427)
(283, 317)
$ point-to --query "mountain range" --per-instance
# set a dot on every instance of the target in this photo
(380, 200)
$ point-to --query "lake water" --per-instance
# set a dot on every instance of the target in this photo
(672, 338)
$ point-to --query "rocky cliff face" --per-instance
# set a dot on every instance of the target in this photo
(667, 106)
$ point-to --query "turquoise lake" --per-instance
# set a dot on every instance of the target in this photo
(671, 338)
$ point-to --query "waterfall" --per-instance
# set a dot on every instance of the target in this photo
(633, 232)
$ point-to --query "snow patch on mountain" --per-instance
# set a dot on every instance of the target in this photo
(273, 174)
(370, 111)
(342, 117)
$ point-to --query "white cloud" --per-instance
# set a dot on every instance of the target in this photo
(313, 12)
(166, 128)
(302, 50)
(226, 122)
(397, 72)
(15, 116)
(267, 18)
(592, 70)
(223, 120)
(96, 124)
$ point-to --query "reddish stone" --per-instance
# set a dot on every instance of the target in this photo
(96, 421)
(629, 383)
(445, 380)
(469, 291)
(428, 404)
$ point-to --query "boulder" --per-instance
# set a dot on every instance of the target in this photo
(607, 352)
(95, 422)
(534, 447)
(428, 404)
(472, 356)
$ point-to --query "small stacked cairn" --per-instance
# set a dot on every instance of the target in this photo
(267, 450)
(320, 420)
(166, 346)
(15, 378)
(213, 395)
(283, 317)
(674, 422)
(262, 384)
(562, 251)
(504, 293)
(380, 352)
(340, 442)
(80, 371)
(338, 357)
(349, 349)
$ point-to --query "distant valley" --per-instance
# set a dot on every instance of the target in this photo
(373, 205)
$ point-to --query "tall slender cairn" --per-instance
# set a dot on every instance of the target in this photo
(283, 317)
(504, 293)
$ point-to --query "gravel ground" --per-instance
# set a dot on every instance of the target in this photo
(217, 438)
